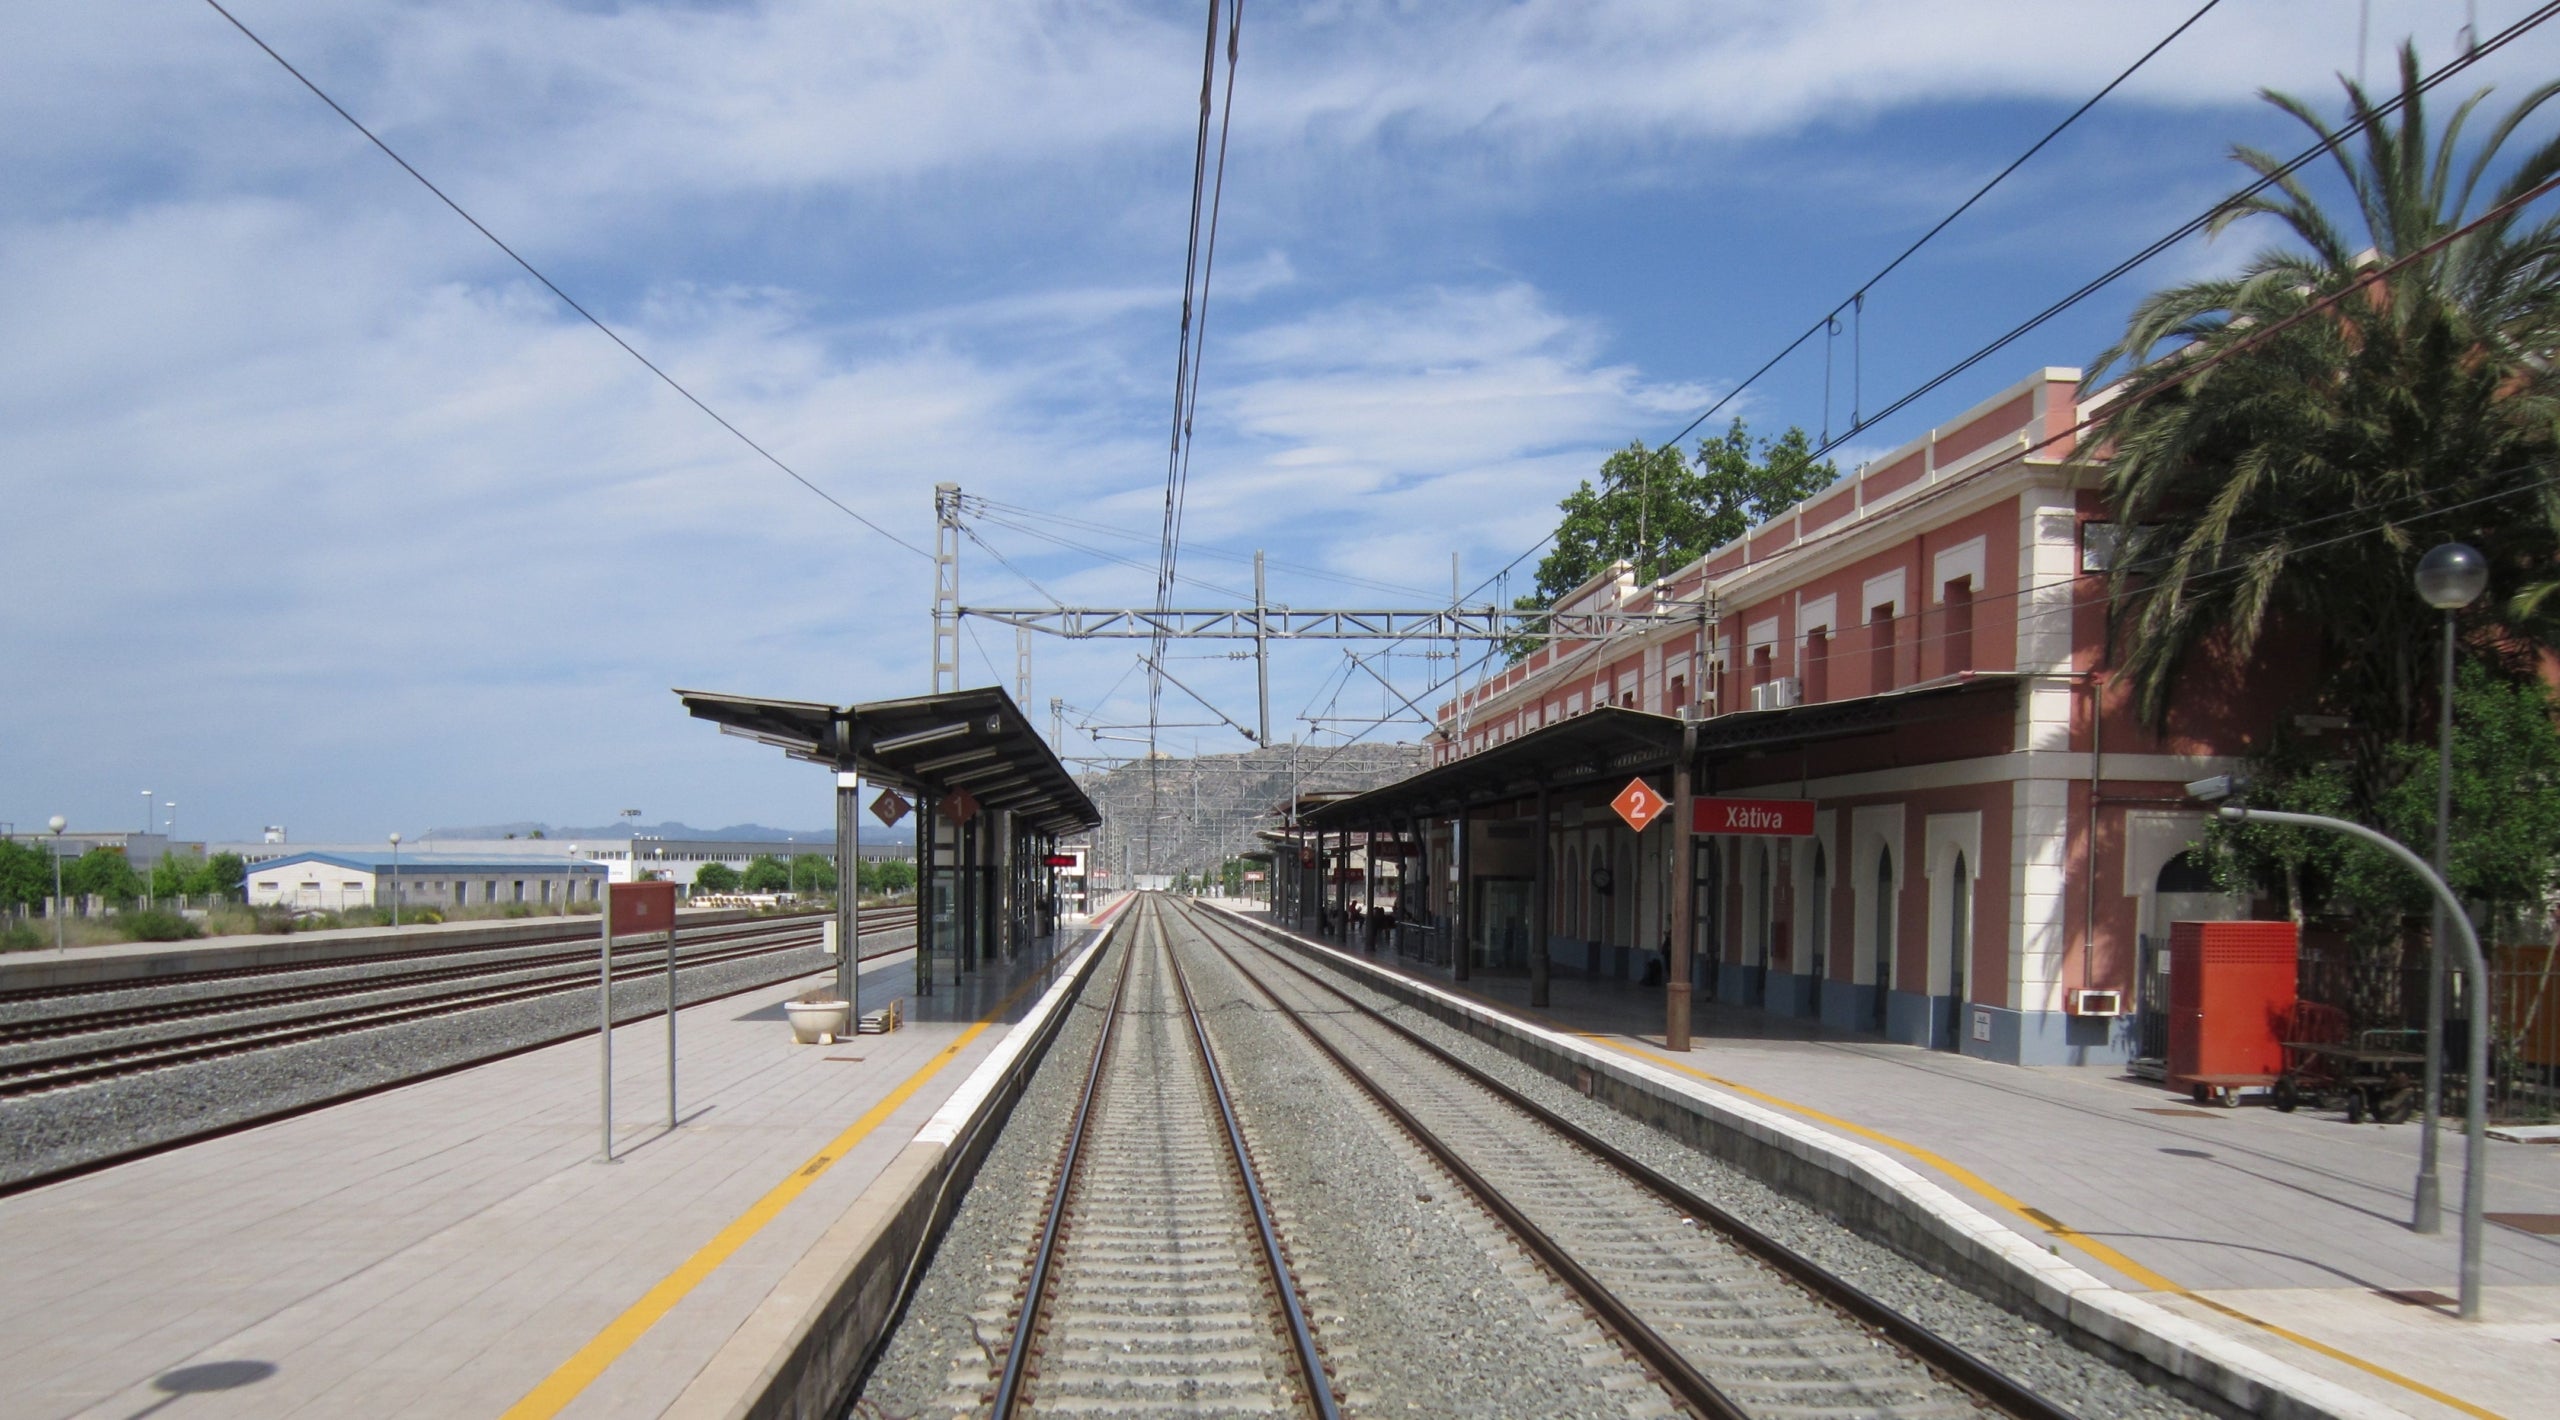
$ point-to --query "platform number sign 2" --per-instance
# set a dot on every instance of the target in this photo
(1639, 804)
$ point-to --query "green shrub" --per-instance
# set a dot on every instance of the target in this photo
(156, 925)
(22, 936)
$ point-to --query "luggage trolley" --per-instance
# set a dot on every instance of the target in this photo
(2374, 1076)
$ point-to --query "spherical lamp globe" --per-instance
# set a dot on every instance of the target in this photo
(2452, 576)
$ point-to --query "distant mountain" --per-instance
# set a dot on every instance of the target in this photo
(738, 832)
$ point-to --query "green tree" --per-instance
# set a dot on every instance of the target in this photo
(226, 875)
(765, 873)
(813, 872)
(175, 876)
(102, 872)
(715, 877)
(2367, 388)
(1659, 510)
(888, 875)
(2504, 847)
(26, 874)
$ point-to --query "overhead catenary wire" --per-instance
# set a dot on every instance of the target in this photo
(553, 287)
(2193, 225)
(1857, 300)
(1198, 264)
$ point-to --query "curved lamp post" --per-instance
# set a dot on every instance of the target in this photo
(57, 824)
(395, 882)
(2450, 577)
(2475, 1173)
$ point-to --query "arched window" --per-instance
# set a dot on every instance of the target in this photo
(1819, 920)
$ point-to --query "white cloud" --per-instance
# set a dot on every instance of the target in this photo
(317, 499)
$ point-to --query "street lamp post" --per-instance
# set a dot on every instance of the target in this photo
(572, 889)
(2475, 1126)
(57, 824)
(395, 882)
(2450, 577)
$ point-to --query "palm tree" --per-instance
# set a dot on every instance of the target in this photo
(2368, 389)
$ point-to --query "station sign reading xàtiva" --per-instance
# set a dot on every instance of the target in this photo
(1769, 818)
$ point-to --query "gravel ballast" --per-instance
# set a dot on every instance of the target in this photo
(1420, 1306)
(2026, 1350)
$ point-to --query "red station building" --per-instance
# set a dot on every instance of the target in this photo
(1997, 845)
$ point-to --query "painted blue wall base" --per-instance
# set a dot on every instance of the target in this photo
(1849, 1006)
(1789, 994)
(2052, 1038)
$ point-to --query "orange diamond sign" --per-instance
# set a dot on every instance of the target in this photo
(1639, 805)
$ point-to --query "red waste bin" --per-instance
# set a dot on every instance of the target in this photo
(2232, 986)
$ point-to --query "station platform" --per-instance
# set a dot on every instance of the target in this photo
(455, 1248)
(2288, 1232)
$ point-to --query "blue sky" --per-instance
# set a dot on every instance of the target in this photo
(321, 513)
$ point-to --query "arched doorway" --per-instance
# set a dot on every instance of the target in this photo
(1959, 948)
(1883, 936)
(1707, 961)
(1756, 983)
(1820, 921)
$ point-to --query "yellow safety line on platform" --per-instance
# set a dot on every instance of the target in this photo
(581, 1370)
(2044, 1222)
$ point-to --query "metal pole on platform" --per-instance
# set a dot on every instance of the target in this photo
(1684, 890)
(1541, 904)
(849, 893)
(671, 1019)
(2475, 1156)
(2450, 577)
(604, 1025)
(1459, 917)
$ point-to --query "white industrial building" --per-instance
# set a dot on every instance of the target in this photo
(624, 860)
(335, 880)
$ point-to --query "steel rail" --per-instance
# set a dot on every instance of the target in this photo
(1301, 1336)
(41, 1028)
(1035, 1288)
(1687, 1384)
(585, 933)
(87, 1067)
(1955, 1365)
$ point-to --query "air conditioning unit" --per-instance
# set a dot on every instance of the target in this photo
(2093, 1003)
(1776, 695)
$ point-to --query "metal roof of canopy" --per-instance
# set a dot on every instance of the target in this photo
(1610, 740)
(976, 740)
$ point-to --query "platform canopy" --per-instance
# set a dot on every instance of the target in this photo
(929, 745)
(1611, 742)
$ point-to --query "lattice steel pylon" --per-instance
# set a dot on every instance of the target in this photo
(1457, 624)
(946, 588)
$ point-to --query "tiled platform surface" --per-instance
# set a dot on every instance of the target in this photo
(438, 1250)
(2297, 1220)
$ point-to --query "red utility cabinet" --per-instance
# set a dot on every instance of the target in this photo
(2232, 986)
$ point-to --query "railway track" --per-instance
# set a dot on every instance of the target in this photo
(1731, 1323)
(367, 974)
(561, 973)
(1157, 1284)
